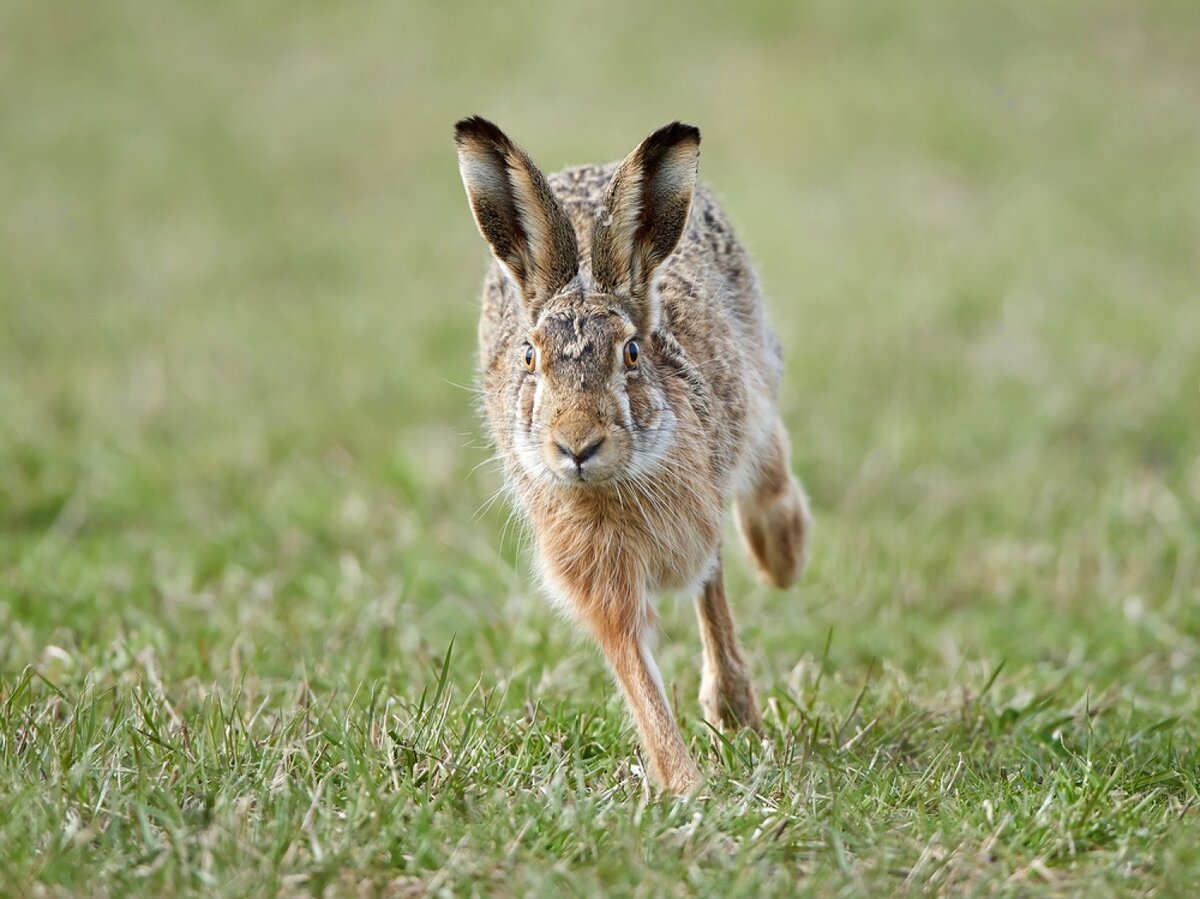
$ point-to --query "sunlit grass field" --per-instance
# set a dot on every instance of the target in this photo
(260, 632)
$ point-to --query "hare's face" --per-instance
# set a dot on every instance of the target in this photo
(591, 407)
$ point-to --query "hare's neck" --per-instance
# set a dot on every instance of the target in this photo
(626, 537)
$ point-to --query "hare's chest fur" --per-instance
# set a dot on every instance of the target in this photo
(620, 542)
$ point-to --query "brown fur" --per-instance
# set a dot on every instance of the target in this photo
(773, 517)
(726, 694)
(625, 472)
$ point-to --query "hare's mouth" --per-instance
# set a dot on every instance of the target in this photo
(580, 475)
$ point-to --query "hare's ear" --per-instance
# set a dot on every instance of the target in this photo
(646, 212)
(517, 213)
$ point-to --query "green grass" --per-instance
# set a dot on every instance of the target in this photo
(256, 636)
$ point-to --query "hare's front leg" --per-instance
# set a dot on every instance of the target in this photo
(726, 693)
(626, 647)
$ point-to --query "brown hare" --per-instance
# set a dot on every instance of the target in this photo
(630, 381)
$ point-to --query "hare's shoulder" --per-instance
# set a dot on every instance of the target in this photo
(499, 324)
(710, 273)
(712, 305)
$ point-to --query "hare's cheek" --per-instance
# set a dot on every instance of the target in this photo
(526, 403)
(624, 411)
(645, 407)
(652, 420)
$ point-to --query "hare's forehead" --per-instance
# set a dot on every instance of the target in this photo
(582, 332)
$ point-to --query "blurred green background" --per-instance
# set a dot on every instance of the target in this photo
(239, 283)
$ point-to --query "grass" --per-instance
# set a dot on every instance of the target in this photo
(256, 635)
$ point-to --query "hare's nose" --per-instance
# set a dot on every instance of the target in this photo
(580, 454)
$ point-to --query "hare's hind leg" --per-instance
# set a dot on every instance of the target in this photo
(772, 514)
(726, 694)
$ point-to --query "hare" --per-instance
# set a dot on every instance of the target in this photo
(629, 379)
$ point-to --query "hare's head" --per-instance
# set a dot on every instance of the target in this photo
(594, 390)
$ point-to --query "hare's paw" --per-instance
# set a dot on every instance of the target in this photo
(683, 779)
(773, 516)
(728, 702)
(776, 534)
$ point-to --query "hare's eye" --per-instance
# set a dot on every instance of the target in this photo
(632, 352)
(530, 357)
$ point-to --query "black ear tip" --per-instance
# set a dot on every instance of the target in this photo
(478, 128)
(675, 133)
(684, 131)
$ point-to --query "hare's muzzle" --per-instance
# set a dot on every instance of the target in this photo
(575, 450)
